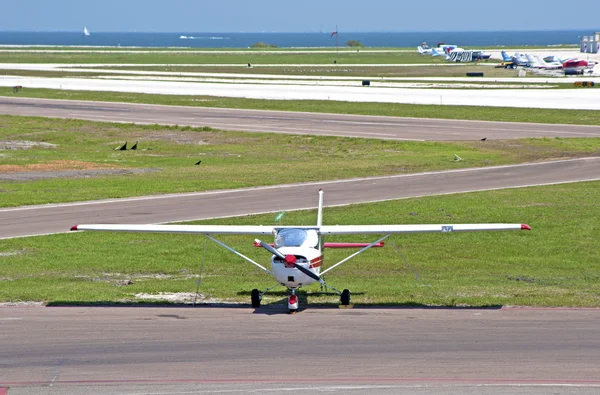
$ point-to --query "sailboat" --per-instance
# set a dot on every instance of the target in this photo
(86, 32)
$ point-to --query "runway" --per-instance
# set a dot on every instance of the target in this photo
(124, 350)
(56, 218)
(392, 128)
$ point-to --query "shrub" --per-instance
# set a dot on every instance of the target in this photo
(263, 45)
(354, 43)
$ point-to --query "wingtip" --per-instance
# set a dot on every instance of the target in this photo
(74, 227)
(525, 227)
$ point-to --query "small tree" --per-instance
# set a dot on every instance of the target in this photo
(354, 43)
(263, 45)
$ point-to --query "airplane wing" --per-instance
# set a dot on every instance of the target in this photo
(201, 229)
(393, 229)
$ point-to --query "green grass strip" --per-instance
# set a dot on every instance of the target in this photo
(166, 157)
(555, 264)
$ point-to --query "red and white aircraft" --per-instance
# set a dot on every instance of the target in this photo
(297, 253)
(576, 64)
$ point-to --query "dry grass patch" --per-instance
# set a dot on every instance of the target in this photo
(56, 165)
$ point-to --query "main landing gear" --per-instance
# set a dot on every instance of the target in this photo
(256, 297)
(345, 298)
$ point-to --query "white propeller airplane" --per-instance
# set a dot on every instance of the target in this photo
(297, 253)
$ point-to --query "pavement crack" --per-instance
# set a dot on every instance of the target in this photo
(57, 372)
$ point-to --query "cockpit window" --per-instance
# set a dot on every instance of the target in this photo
(290, 237)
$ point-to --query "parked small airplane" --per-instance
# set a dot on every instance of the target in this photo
(436, 52)
(541, 63)
(461, 55)
(424, 49)
(576, 64)
(297, 253)
(517, 59)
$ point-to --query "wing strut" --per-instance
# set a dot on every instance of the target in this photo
(355, 254)
(238, 254)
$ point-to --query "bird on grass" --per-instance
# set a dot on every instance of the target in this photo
(134, 146)
(197, 163)
(122, 148)
(483, 139)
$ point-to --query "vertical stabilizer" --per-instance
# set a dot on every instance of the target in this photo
(320, 209)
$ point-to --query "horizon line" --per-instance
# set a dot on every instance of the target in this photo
(591, 30)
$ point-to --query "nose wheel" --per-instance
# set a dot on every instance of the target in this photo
(293, 302)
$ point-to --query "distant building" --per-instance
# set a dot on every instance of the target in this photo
(590, 44)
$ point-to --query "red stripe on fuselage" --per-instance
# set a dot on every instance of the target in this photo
(316, 262)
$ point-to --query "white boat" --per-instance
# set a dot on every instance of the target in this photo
(86, 32)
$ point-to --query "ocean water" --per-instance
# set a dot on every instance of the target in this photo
(287, 40)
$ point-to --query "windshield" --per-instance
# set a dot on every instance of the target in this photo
(290, 238)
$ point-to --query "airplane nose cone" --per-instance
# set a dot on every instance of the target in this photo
(290, 259)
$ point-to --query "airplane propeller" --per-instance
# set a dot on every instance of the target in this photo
(290, 260)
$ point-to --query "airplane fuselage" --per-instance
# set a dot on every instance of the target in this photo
(291, 277)
(305, 246)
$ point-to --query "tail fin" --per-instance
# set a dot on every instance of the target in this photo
(505, 57)
(320, 209)
(434, 52)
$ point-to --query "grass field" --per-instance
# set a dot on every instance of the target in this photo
(258, 57)
(165, 160)
(36, 48)
(555, 264)
(317, 71)
(443, 70)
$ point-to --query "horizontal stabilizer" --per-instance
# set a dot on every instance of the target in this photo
(352, 245)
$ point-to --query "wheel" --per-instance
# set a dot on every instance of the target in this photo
(345, 298)
(255, 296)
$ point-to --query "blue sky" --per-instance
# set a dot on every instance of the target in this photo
(297, 16)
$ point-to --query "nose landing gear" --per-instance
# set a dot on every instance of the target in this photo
(293, 302)
(256, 297)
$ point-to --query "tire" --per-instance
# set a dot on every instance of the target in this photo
(345, 298)
(255, 297)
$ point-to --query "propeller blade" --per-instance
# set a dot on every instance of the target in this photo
(272, 250)
(308, 273)
(289, 259)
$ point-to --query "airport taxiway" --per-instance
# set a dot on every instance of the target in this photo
(380, 127)
(236, 349)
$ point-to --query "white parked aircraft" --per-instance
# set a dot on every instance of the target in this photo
(297, 253)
